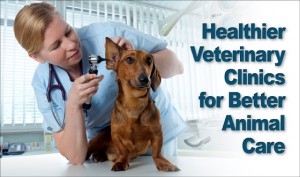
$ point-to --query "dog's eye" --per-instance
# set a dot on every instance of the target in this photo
(148, 60)
(130, 60)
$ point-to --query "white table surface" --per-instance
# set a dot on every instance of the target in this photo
(57, 165)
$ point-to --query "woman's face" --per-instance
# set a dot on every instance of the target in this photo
(61, 45)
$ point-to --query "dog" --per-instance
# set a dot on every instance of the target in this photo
(135, 120)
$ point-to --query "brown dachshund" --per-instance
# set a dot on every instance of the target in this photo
(135, 120)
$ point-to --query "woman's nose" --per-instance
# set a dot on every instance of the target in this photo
(70, 45)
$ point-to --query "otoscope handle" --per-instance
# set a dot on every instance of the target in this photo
(93, 71)
(87, 105)
(93, 60)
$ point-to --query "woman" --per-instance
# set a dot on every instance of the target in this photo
(48, 39)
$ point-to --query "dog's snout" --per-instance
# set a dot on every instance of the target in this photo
(143, 79)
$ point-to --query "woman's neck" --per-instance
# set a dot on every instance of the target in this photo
(74, 72)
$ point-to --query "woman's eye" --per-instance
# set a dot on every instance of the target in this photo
(149, 60)
(56, 46)
(130, 60)
(68, 33)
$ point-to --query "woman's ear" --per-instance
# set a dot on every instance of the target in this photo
(37, 58)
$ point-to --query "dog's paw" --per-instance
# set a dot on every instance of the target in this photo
(99, 157)
(167, 168)
(120, 166)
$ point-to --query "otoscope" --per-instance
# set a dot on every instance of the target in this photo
(93, 60)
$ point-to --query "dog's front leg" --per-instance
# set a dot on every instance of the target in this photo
(122, 162)
(161, 162)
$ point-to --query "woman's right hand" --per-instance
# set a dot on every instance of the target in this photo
(83, 88)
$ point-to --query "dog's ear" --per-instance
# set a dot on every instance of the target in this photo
(112, 53)
(155, 77)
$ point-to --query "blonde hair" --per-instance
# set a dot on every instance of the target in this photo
(30, 25)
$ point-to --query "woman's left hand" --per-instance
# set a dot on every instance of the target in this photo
(123, 43)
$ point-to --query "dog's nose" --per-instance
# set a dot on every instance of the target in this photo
(143, 79)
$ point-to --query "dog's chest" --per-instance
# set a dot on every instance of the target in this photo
(136, 137)
(135, 130)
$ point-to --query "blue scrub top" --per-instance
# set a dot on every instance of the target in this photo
(92, 39)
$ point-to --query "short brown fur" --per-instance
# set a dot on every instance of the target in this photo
(135, 120)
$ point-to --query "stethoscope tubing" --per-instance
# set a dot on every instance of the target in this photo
(51, 87)
(56, 119)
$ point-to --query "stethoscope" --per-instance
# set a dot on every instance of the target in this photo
(51, 86)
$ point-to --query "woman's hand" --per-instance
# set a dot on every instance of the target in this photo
(83, 89)
(123, 43)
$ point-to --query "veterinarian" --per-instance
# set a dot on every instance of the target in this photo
(64, 52)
